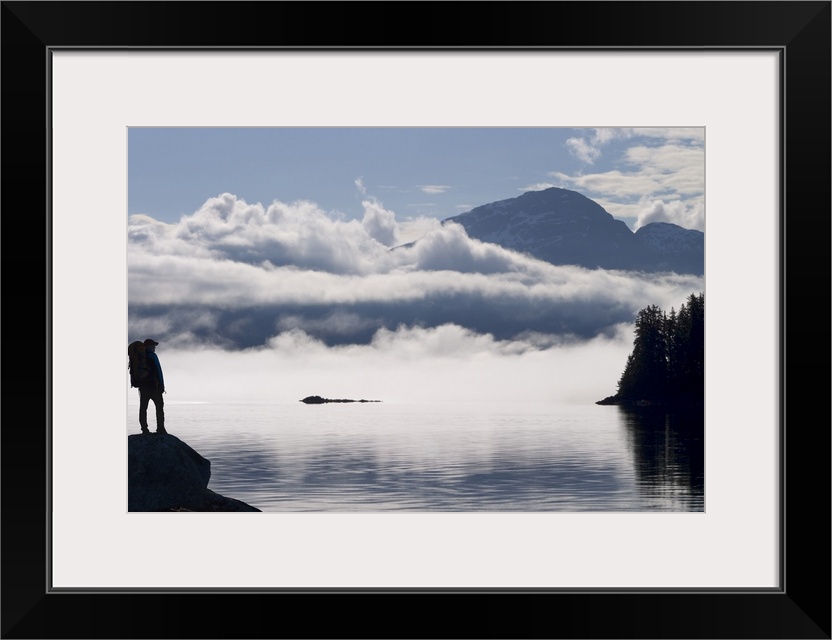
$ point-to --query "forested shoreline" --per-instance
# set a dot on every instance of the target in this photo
(667, 364)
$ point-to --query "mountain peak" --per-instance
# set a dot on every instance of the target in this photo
(553, 202)
(562, 226)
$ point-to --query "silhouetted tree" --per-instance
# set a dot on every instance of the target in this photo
(667, 364)
(690, 338)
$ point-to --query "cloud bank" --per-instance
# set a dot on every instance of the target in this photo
(235, 275)
(445, 364)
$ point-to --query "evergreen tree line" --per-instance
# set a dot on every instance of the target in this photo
(667, 364)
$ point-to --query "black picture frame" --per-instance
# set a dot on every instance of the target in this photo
(799, 31)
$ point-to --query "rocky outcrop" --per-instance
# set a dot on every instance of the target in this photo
(165, 474)
(320, 400)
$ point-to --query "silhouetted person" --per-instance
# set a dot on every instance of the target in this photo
(152, 389)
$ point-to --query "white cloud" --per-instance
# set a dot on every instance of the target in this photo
(540, 186)
(359, 183)
(688, 215)
(673, 173)
(448, 248)
(441, 365)
(670, 134)
(379, 223)
(583, 150)
(602, 136)
(676, 168)
(433, 188)
(624, 185)
(298, 234)
(411, 229)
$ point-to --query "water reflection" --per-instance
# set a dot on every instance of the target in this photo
(416, 458)
(668, 448)
(389, 471)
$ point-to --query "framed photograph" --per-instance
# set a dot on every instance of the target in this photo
(708, 120)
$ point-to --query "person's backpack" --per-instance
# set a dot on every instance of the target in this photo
(139, 371)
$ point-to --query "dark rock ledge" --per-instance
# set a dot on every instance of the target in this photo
(320, 400)
(165, 474)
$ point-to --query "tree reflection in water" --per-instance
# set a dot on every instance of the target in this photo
(668, 448)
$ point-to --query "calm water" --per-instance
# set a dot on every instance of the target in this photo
(388, 457)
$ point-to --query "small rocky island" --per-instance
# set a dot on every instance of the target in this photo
(320, 400)
(165, 474)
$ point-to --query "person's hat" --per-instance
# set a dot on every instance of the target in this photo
(150, 341)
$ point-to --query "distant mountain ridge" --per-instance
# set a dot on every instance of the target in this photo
(564, 227)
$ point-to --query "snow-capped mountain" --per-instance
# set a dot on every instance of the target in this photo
(565, 227)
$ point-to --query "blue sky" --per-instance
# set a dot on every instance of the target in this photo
(638, 175)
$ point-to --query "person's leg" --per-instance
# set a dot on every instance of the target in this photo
(159, 402)
(144, 399)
